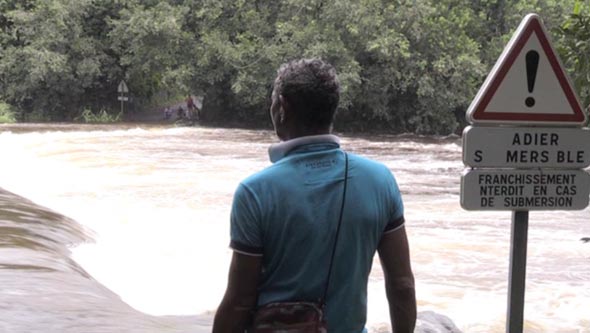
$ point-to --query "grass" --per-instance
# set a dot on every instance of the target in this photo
(102, 116)
(6, 113)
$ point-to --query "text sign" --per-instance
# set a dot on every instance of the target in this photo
(525, 189)
(526, 147)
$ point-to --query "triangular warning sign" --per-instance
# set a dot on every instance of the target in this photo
(527, 84)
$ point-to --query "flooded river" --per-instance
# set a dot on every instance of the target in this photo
(144, 246)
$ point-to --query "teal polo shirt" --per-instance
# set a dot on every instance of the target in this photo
(288, 214)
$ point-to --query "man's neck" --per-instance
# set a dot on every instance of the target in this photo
(301, 132)
(279, 150)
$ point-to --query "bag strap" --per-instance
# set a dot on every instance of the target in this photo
(323, 299)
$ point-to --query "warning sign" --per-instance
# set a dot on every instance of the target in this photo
(524, 189)
(122, 88)
(528, 84)
(538, 167)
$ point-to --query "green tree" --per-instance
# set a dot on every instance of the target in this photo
(152, 47)
(405, 66)
(574, 48)
(56, 64)
(418, 64)
(234, 48)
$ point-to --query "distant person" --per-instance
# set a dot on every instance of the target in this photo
(180, 115)
(167, 113)
(284, 218)
(190, 104)
(197, 113)
(191, 108)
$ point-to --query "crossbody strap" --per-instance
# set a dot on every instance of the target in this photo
(323, 299)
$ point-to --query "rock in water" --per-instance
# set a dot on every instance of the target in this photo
(427, 322)
(432, 322)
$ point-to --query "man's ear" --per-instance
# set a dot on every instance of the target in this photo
(285, 108)
(285, 105)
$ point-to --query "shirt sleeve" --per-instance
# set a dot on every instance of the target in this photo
(245, 223)
(396, 219)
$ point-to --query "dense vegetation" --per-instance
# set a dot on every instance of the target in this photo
(405, 65)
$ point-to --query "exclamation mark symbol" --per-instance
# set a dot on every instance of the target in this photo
(532, 64)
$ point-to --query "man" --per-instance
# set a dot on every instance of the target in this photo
(191, 109)
(284, 218)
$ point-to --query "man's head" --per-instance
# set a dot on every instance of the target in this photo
(305, 98)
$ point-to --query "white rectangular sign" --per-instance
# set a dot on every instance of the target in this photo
(123, 98)
(526, 147)
(525, 189)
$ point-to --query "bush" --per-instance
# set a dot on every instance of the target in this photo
(6, 113)
(102, 116)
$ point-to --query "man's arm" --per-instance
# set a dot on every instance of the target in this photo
(235, 311)
(394, 253)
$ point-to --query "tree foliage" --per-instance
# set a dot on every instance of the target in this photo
(404, 66)
(574, 48)
(6, 114)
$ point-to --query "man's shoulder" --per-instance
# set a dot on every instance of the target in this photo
(368, 164)
(263, 176)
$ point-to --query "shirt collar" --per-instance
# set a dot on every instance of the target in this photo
(279, 150)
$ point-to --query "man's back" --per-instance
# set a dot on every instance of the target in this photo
(290, 211)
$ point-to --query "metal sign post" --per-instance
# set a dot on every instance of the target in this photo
(122, 90)
(517, 272)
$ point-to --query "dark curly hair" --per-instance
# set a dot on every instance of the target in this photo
(311, 88)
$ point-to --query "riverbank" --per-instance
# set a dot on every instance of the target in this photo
(158, 114)
(44, 290)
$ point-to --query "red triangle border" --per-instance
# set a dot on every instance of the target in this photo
(533, 25)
